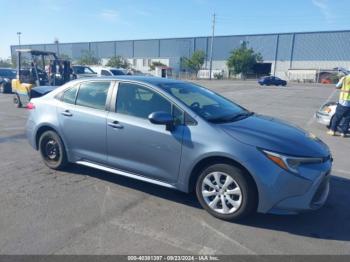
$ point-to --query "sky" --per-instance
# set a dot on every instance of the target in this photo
(43, 21)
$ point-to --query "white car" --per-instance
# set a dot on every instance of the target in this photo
(325, 114)
(109, 71)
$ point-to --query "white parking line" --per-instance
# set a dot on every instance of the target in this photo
(235, 242)
(188, 246)
(12, 128)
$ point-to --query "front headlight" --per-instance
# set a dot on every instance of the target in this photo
(326, 109)
(290, 163)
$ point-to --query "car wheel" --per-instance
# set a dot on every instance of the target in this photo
(17, 101)
(226, 192)
(52, 150)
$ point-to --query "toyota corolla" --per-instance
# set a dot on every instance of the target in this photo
(183, 136)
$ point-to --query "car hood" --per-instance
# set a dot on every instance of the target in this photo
(276, 135)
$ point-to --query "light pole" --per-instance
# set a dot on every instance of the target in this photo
(211, 46)
(57, 46)
(19, 38)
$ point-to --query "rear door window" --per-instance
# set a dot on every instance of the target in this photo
(70, 95)
(93, 94)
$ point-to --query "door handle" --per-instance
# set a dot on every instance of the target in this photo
(67, 113)
(115, 124)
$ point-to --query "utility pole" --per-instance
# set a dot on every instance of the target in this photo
(57, 46)
(19, 38)
(211, 46)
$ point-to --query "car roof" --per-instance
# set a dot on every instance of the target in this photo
(157, 81)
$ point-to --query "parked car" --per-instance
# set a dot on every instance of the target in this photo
(272, 80)
(325, 114)
(183, 136)
(6, 76)
(80, 71)
(109, 71)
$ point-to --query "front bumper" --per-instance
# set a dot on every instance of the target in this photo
(322, 118)
(313, 199)
(282, 192)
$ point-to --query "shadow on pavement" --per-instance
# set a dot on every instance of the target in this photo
(330, 222)
(155, 190)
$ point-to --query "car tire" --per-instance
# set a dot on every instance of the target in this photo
(17, 101)
(330, 122)
(232, 201)
(52, 150)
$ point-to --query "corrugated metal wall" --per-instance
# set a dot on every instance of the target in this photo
(320, 46)
(314, 46)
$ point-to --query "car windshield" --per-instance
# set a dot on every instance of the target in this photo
(117, 72)
(8, 73)
(209, 105)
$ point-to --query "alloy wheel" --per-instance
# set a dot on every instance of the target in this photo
(221, 193)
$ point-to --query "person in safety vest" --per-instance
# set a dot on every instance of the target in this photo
(343, 108)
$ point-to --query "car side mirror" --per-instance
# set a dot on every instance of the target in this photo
(162, 118)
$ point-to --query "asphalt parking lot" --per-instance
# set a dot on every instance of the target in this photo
(85, 211)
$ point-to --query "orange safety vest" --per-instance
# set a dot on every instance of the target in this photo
(345, 89)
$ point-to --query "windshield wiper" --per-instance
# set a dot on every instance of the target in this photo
(231, 118)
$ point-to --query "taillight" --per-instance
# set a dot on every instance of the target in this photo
(30, 106)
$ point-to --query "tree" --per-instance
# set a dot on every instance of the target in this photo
(118, 62)
(5, 63)
(65, 57)
(242, 59)
(154, 64)
(195, 63)
(88, 58)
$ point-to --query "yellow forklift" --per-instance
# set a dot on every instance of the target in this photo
(37, 68)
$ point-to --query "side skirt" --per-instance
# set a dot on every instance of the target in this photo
(124, 173)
